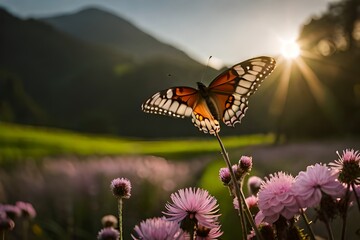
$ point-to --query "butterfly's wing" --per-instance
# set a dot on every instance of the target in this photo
(183, 102)
(175, 102)
(203, 118)
(232, 88)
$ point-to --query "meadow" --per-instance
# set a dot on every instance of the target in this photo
(66, 175)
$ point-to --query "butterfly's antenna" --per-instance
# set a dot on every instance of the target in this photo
(207, 66)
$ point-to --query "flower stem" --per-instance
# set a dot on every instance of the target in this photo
(344, 214)
(120, 206)
(356, 196)
(239, 194)
(307, 223)
(328, 228)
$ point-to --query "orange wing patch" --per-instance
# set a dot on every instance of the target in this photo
(203, 119)
(175, 102)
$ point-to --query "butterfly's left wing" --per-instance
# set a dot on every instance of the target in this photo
(174, 102)
(183, 102)
(232, 88)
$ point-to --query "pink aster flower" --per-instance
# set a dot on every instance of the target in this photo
(348, 166)
(158, 229)
(203, 233)
(276, 198)
(193, 205)
(121, 187)
(310, 185)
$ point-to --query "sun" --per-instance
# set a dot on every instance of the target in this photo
(290, 49)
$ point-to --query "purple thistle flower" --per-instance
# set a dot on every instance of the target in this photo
(254, 184)
(348, 166)
(224, 175)
(27, 209)
(245, 164)
(108, 234)
(309, 186)
(158, 229)
(203, 233)
(194, 205)
(121, 187)
(276, 198)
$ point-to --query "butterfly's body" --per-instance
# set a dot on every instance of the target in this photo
(204, 93)
(226, 98)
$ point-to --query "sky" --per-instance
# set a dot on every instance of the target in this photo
(230, 30)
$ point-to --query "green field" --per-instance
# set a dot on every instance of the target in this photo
(18, 143)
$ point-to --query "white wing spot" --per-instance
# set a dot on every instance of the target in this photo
(249, 77)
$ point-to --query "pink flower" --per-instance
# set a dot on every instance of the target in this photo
(121, 187)
(276, 198)
(309, 186)
(27, 209)
(245, 163)
(158, 229)
(108, 234)
(348, 166)
(251, 202)
(203, 233)
(195, 205)
(225, 176)
(254, 184)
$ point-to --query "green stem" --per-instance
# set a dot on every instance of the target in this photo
(328, 228)
(241, 216)
(307, 223)
(356, 196)
(3, 235)
(344, 214)
(120, 206)
(239, 194)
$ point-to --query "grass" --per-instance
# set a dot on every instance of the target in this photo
(19, 143)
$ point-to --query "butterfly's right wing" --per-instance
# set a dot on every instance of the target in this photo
(175, 102)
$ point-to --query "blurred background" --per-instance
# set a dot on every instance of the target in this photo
(73, 75)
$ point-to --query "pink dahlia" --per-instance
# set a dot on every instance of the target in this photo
(348, 166)
(158, 229)
(310, 185)
(193, 205)
(276, 198)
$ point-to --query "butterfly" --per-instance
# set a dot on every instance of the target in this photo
(226, 97)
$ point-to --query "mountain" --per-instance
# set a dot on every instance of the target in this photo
(84, 86)
(104, 28)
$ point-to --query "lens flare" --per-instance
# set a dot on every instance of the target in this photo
(290, 49)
